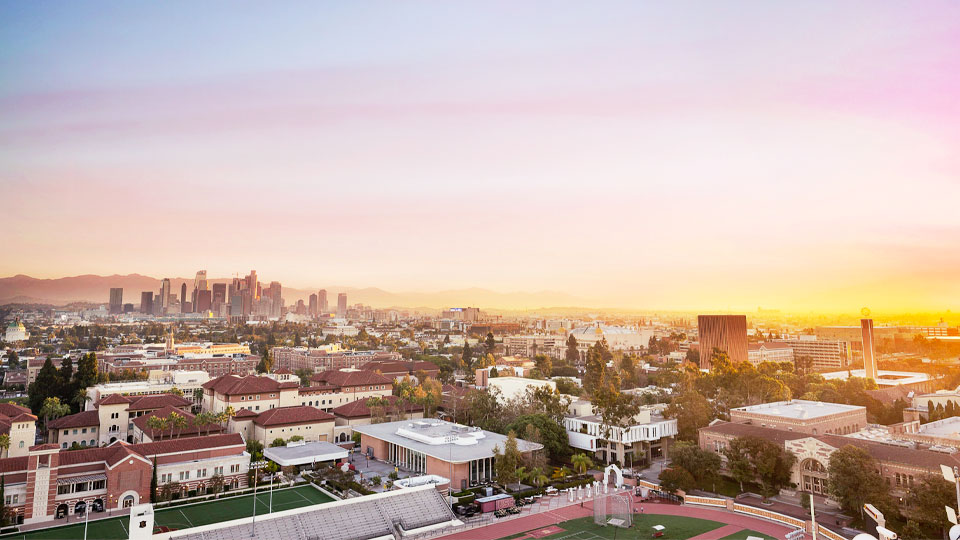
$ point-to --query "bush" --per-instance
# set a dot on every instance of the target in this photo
(394, 475)
(376, 480)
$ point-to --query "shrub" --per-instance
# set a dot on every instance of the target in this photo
(394, 475)
(376, 480)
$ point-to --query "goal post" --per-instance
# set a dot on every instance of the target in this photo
(613, 510)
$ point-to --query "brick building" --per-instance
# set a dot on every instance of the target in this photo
(326, 359)
(50, 483)
(111, 419)
(814, 417)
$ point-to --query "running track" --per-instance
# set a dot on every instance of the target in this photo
(734, 522)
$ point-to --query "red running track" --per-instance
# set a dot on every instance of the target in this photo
(734, 522)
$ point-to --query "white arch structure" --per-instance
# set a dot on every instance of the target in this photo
(616, 470)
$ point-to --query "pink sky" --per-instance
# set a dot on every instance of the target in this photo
(685, 156)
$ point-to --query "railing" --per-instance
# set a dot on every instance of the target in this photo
(768, 514)
(706, 501)
(827, 533)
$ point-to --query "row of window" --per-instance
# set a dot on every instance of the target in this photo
(84, 430)
(93, 442)
(66, 489)
(253, 398)
(166, 478)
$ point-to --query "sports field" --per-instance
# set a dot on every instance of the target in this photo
(184, 517)
(676, 528)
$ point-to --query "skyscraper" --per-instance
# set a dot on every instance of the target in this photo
(183, 297)
(342, 305)
(116, 300)
(313, 304)
(869, 354)
(146, 302)
(727, 333)
(322, 301)
(202, 303)
(219, 293)
(164, 296)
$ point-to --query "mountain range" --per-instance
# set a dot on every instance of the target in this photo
(96, 289)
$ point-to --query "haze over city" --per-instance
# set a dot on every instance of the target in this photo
(640, 156)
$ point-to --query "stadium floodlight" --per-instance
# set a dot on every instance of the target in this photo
(954, 532)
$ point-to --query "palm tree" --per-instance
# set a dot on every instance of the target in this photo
(81, 398)
(178, 422)
(522, 474)
(198, 395)
(581, 462)
(4, 444)
(156, 424)
(537, 477)
(52, 409)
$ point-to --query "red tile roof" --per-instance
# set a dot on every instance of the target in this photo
(143, 403)
(13, 410)
(245, 413)
(299, 414)
(191, 430)
(359, 408)
(250, 384)
(113, 399)
(81, 419)
(351, 378)
(283, 371)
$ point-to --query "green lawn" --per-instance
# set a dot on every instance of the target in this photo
(184, 517)
(742, 535)
(677, 528)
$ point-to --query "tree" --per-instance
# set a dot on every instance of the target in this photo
(52, 409)
(927, 499)
(5, 445)
(572, 355)
(676, 478)
(581, 462)
(177, 422)
(568, 386)
(88, 373)
(3, 503)
(755, 459)
(738, 461)
(490, 343)
(507, 462)
(198, 395)
(255, 449)
(702, 464)
(853, 481)
(911, 531)
(466, 357)
(553, 436)
(176, 391)
(595, 368)
(544, 365)
(153, 482)
(216, 484)
(278, 442)
(81, 397)
(692, 411)
(537, 477)
(44, 386)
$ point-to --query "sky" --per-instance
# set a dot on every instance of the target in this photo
(677, 155)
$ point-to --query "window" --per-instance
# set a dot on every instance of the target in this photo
(93, 442)
(99, 484)
(93, 430)
(184, 475)
(201, 473)
(74, 431)
(218, 470)
(66, 432)
(84, 430)
(63, 490)
(64, 445)
(21, 444)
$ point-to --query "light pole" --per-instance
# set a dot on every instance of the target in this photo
(86, 520)
(256, 466)
(450, 439)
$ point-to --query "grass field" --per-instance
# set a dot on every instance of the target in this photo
(184, 517)
(742, 535)
(677, 528)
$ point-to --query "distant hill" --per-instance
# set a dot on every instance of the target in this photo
(93, 288)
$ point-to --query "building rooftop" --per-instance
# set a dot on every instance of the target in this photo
(885, 378)
(443, 440)
(948, 428)
(799, 409)
(301, 453)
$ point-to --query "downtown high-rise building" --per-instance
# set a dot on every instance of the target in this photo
(727, 333)
(203, 301)
(313, 305)
(183, 298)
(146, 302)
(116, 300)
(324, 306)
(342, 305)
(164, 296)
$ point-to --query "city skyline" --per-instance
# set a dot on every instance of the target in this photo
(685, 156)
